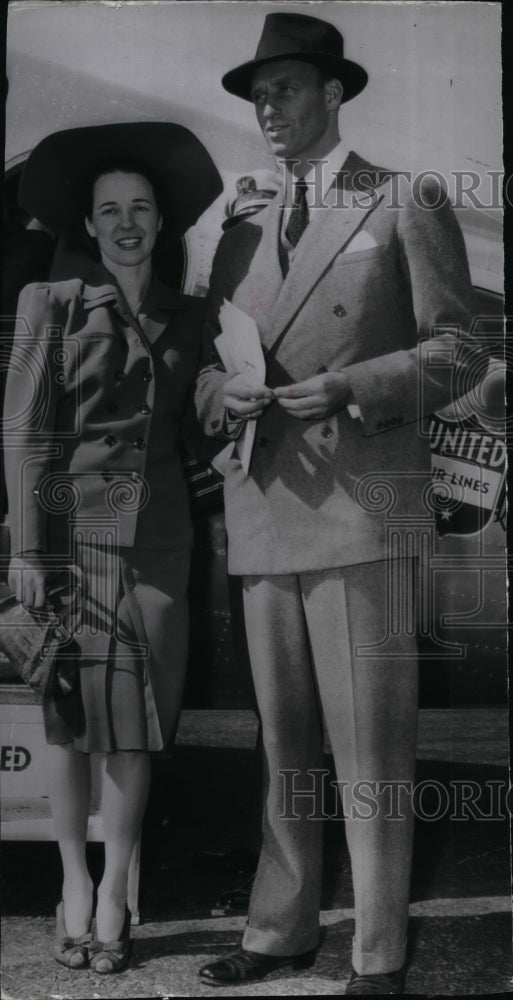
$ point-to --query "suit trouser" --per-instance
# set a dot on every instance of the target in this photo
(303, 635)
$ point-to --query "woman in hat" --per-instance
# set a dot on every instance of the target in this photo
(97, 392)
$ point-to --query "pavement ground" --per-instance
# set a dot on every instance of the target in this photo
(202, 800)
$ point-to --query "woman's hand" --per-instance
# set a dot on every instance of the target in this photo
(245, 398)
(27, 578)
(316, 398)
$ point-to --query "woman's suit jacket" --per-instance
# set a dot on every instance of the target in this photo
(87, 438)
(94, 418)
(374, 277)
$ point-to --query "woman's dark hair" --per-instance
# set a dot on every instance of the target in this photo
(122, 166)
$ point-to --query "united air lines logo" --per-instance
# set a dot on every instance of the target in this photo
(468, 469)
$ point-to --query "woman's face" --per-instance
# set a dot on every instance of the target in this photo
(125, 219)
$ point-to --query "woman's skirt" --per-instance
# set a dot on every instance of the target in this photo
(131, 649)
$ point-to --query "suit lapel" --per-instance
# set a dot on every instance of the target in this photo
(101, 289)
(154, 315)
(328, 232)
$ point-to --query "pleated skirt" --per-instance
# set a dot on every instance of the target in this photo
(131, 652)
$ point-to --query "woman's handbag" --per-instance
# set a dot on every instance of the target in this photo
(35, 640)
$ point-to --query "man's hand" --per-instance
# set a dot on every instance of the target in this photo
(316, 398)
(245, 398)
(27, 580)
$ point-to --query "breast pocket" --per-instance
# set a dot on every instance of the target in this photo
(348, 257)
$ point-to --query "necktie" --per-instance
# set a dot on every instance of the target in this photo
(298, 219)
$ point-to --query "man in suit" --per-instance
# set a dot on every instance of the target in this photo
(358, 291)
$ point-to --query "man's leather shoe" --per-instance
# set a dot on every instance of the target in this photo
(381, 984)
(244, 966)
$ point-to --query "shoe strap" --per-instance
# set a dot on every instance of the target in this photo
(116, 947)
(78, 942)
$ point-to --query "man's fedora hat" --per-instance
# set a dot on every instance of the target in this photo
(308, 39)
(52, 184)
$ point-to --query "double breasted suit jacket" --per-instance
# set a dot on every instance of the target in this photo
(374, 277)
(94, 414)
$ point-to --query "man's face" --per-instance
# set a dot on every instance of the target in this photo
(292, 108)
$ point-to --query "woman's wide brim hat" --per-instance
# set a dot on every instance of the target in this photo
(52, 185)
(304, 38)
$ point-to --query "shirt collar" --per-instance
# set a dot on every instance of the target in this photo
(101, 288)
(331, 164)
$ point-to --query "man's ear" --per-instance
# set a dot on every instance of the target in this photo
(334, 91)
(89, 226)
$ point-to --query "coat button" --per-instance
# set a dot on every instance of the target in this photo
(147, 377)
(144, 409)
(139, 443)
(120, 376)
(339, 310)
(326, 431)
(110, 440)
(263, 442)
